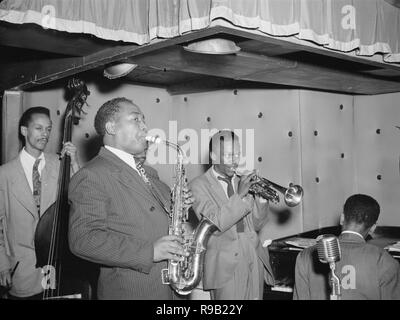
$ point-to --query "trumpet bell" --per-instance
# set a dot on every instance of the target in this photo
(293, 195)
(268, 190)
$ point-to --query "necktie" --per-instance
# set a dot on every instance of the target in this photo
(240, 223)
(142, 173)
(36, 183)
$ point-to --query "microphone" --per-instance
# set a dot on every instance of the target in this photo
(328, 248)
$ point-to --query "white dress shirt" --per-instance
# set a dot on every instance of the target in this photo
(27, 162)
(124, 156)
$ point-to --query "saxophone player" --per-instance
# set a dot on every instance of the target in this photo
(119, 214)
(235, 263)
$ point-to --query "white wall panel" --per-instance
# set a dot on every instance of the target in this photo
(326, 130)
(378, 154)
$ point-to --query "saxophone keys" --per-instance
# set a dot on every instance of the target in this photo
(164, 276)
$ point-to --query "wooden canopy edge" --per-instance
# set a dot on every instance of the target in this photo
(27, 74)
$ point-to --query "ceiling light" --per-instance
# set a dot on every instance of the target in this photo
(118, 70)
(213, 46)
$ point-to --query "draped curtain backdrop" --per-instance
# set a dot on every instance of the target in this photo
(367, 26)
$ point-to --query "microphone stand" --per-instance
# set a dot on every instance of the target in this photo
(335, 283)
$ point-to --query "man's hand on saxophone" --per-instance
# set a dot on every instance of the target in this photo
(169, 248)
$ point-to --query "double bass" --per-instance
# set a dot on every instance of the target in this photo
(64, 275)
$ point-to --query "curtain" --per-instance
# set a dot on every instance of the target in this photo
(367, 27)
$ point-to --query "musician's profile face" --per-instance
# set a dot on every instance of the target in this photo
(37, 133)
(226, 157)
(130, 129)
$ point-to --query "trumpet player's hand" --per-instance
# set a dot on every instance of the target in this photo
(245, 183)
(169, 248)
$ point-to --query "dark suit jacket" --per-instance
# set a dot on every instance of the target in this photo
(223, 250)
(114, 221)
(376, 273)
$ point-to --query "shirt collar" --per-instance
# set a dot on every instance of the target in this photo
(27, 157)
(352, 232)
(216, 174)
(124, 156)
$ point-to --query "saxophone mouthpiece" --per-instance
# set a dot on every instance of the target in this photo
(153, 139)
(158, 140)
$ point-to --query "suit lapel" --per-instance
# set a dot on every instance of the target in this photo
(247, 218)
(219, 191)
(133, 181)
(21, 190)
(128, 176)
(216, 186)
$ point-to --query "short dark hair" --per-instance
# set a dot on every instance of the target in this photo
(27, 117)
(362, 210)
(106, 113)
(220, 137)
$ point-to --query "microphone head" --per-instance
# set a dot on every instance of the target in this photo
(153, 139)
(328, 248)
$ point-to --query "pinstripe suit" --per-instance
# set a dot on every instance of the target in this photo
(114, 221)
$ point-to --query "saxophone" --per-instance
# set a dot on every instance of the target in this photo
(184, 276)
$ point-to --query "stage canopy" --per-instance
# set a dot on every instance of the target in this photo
(368, 27)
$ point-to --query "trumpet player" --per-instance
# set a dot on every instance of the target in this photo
(235, 263)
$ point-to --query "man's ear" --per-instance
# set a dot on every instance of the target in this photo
(341, 221)
(213, 157)
(372, 229)
(24, 131)
(110, 127)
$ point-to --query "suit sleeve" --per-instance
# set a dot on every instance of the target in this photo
(260, 213)
(301, 286)
(390, 278)
(89, 236)
(4, 260)
(223, 217)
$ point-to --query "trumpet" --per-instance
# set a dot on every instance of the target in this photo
(268, 190)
